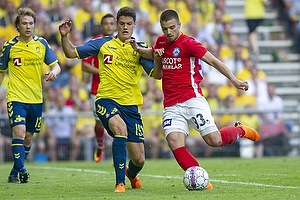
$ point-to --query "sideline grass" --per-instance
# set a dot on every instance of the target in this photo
(232, 178)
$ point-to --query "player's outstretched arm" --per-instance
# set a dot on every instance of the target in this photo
(221, 67)
(144, 52)
(67, 46)
(55, 70)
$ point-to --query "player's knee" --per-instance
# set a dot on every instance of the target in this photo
(213, 140)
(140, 162)
(215, 143)
(27, 140)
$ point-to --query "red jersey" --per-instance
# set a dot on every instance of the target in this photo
(93, 60)
(181, 68)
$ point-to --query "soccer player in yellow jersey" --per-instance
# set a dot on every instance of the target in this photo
(24, 56)
(118, 95)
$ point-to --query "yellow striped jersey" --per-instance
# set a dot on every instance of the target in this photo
(120, 68)
(24, 62)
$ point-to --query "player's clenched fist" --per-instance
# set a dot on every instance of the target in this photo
(65, 27)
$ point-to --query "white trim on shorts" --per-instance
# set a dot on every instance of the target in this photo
(93, 98)
(194, 113)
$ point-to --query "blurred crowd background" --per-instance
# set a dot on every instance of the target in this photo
(67, 107)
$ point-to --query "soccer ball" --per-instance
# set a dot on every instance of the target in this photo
(195, 178)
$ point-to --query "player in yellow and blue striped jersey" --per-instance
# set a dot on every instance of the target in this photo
(24, 56)
(118, 95)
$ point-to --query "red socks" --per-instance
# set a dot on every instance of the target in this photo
(184, 158)
(230, 134)
(99, 136)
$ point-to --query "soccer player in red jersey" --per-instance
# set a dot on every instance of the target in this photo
(177, 62)
(91, 65)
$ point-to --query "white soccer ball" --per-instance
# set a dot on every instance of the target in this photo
(195, 178)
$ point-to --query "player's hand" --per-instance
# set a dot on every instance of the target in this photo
(65, 27)
(242, 85)
(50, 76)
(158, 54)
(133, 43)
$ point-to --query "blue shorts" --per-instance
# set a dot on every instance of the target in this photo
(107, 108)
(26, 114)
(253, 24)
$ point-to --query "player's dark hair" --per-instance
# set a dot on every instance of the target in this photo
(127, 12)
(168, 15)
(107, 16)
(21, 12)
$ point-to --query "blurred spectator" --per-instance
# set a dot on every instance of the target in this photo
(206, 8)
(213, 101)
(220, 4)
(272, 131)
(58, 14)
(42, 16)
(257, 86)
(5, 129)
(248, 148)
(49, 99)
(295, 16)
(7, 21)
(194, 31)
(243, 100)
(227, 50)
(182, 9)
(236, 64)
(155, 8)
(196, 145)
(49, 35)
(151, 126)
(228, 104)
(284, 7)
(74, 65)
(85, 131)
(225, 90)
(214, 29)
(142, 17)
(212, 75)
(254, 13)
(83, 14)
(61, 129)
(2, 8)
(150, 88)
(245, 73)
(74, 93)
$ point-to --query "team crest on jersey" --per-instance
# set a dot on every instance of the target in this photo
(176, 51)
(38, 49)
(108, 59)
(17, 62)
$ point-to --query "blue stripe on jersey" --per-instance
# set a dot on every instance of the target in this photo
(85, 50)
(148, 65)
(5, 53)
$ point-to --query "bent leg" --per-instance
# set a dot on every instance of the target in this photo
(137, 153)
(184, 158)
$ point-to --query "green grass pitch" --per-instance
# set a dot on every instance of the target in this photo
(232, 178)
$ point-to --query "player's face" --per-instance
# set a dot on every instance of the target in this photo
(26, 26)
(108, 26)
(171, 29)
(125, 27)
